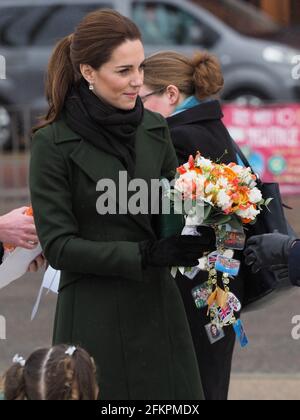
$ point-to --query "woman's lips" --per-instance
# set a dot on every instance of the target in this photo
(131, 95)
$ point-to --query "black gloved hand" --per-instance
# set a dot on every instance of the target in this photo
(282, 272)
(179, 250)
(264, 251)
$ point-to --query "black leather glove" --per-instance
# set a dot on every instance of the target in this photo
(282, 272)
(179, 250)
(268, 250)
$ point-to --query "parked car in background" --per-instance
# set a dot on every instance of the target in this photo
(250, 21)
(255, 70)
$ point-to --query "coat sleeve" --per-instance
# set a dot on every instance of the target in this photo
(57, 226)
(294, 264)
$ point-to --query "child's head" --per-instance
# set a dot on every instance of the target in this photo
(58, 373)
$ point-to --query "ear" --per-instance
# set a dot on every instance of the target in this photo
(87, 72)
(173, 94)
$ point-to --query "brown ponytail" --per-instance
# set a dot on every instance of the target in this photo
(14, 383)
(201, 76)
(93, 43)
(208, 78)
(60, 77)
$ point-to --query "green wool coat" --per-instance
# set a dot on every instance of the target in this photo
(130, 319)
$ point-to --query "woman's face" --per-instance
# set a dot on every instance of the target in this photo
(214, 331)
(118, 81)
(164, 103)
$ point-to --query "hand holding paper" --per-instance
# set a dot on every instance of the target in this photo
(17, 260)
(17, 229)
(16, 264)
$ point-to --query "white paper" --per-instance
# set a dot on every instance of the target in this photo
(194, 220)
(51, 283)
(192, 273)
(51, 279)
(190, 230)
(16, 264)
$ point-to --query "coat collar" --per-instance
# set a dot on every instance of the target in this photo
(62, 132)
(204, 112)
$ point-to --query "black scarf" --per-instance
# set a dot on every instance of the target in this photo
(107, 128)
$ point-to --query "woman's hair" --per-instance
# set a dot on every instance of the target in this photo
(52, 374)
(200, 76)
(93, 43)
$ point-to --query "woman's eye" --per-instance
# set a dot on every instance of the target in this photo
(124, 71)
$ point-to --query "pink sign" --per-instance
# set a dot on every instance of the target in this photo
(270, 139)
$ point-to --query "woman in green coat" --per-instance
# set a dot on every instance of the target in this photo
(116, 296)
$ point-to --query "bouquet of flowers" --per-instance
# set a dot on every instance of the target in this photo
(226, 198)
(222, 193)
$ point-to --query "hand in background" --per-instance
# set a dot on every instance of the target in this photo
(18, 229)
(38, 263)
(265, 251)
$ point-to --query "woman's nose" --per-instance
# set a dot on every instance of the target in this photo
(138, 80)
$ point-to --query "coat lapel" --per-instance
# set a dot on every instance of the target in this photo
(97, 164)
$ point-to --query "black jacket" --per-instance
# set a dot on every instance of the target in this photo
(1, 252)
(201, 129)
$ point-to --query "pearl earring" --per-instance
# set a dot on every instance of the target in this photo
(91, 86)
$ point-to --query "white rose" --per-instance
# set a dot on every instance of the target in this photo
(255, 196)
(184, 183)
(204, 164)
(238, 169)
(223, 182)
(223, 200)
(250, 213)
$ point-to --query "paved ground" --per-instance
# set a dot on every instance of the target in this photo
(265, 387)
(268, 369)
